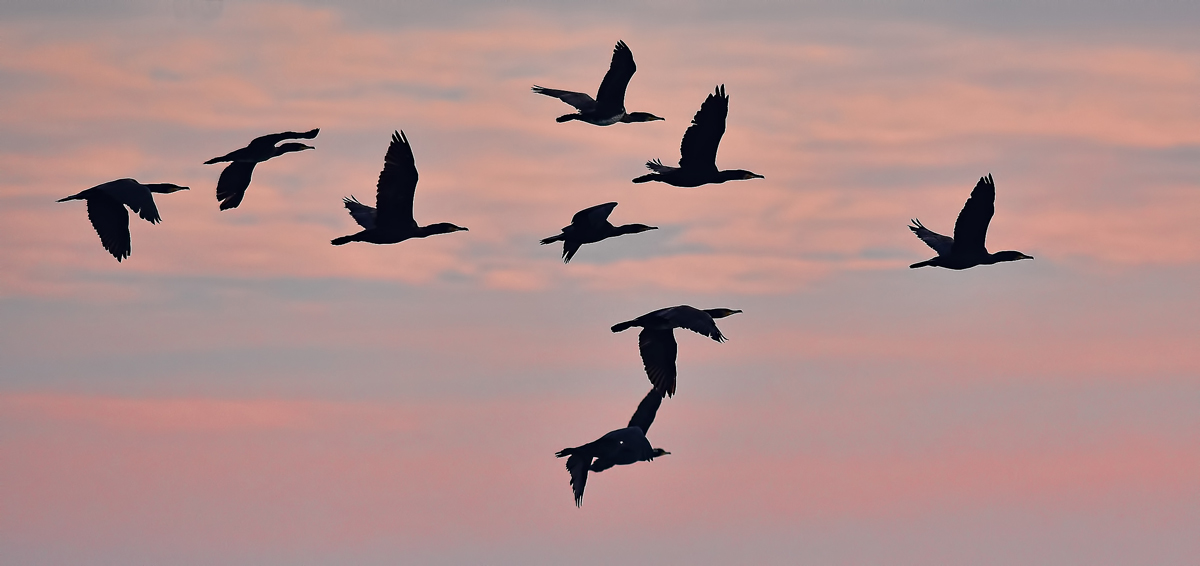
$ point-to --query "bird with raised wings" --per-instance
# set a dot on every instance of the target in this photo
(966, 249)
(391, 219)
(589, 226)
(106, 209)
(235, 178)
(609, 105)
(698, 150)
(656, 342)
(619, 447)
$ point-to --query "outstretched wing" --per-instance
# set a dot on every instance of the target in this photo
(611, 96)
(657, 166)
(364, 215)
(658, 349)
(693, 319)
(582, 102)
(940, 244)
(272, 139)
(594, 214)
(643, 417)
(699, 147)
(111, 222)
(397, 186)
(578, 465)
(234, 181)
(971, 227)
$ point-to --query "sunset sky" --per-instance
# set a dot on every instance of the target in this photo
(240, 392)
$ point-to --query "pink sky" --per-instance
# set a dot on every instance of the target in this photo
(238, 391)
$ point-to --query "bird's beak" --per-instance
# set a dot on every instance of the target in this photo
(462, 229)
(755, 176)
(1023, 256)
(734, 311)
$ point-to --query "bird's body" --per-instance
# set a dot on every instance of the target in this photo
(235, 178)
(589, 226)
(966, 249)
(698, 150)
(391, 220)
(619, 447)
(656, 341)
(609, 105)
(106, 209)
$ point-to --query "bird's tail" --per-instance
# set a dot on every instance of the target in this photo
(216, 160)
(921, 264)
(553, 239)
(566, 118)
(72, 197)
(645, 178)
(624, 325)
(564, 452)
(343, 240)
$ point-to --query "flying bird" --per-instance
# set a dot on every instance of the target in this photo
(106, 209)
(698, 151)
(231, 187)
(609, 106)
(966, 248)
(392, 219)
(657, 339)
(619, 447)
(589, 226)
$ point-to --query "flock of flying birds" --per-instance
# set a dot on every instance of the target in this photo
(391, 221)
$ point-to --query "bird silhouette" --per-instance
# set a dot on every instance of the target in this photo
(589, 226)
(619, 447)
(609, 106)
(392, 220)
(966, 249)
(235, 178)
(698, 150)
(656, 341)
(106, 209)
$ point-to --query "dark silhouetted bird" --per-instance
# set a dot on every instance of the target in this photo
(231, 187)
(106, 209)
(657, 339)
(589, 226)
(966, 248)
(392, 219)
(698, 151)
(609, 105)
(619, 447)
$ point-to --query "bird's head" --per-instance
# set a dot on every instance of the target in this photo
(743, 174)
(636, 228)
(165, 188)
(444, 228)
(290, 147)
(1010, 256)
(721, 313)
(640, 117)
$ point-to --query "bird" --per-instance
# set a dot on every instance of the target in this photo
(609, 106)
(657, 339)
(966, 248)
(589, 226)
(231, 187)
(106, 209)
(392, 219)
(619, 447)
(698, 151)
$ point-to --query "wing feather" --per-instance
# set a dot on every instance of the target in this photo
(397, 186)
(658, 349)
(594, 214)
(582, 102)
(643, 417)
(610, 99)
(693, 319)
(970, 229)
(234, 181)
(111, 222)
(940, 244)
(364, 215)
(699, 147)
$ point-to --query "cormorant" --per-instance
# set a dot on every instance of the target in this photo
(698, 151)
(106, 209)
(966, 248)
(589, 226)
(231, 187)
(657, 340)
(609, 105)
(392, 221)
(622, 446)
